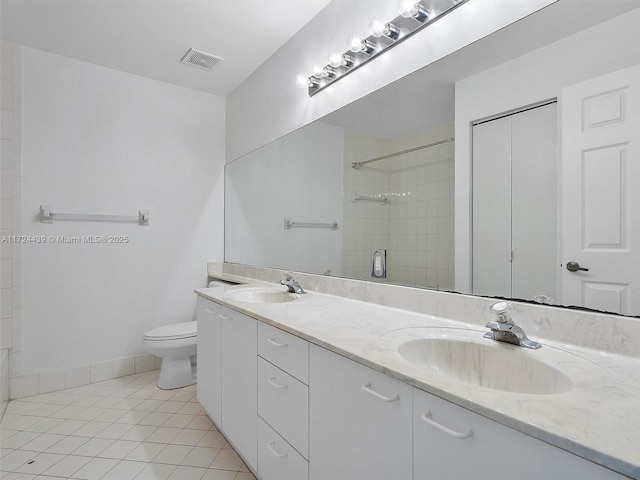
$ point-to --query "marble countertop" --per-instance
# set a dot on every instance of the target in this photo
(598, 418)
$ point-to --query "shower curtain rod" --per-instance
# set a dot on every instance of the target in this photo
(390, 155)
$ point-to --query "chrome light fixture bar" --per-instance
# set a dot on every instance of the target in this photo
(414, 16)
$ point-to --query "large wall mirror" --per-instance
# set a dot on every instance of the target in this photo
(475, 174)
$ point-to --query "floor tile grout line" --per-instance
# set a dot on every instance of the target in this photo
(169, 407)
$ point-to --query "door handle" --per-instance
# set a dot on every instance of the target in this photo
(575, 267)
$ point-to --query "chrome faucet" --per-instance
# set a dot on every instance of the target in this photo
(504, 330)
(291, 284)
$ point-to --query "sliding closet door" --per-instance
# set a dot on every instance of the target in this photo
(491, 273)
(515, 205)
(535, 269)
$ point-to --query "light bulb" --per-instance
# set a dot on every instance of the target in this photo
(302, 80)
(355, 42)
(358, 43)
(318, 71)
(412, 9)
(336, 59)
(377, 27)
(408, 8)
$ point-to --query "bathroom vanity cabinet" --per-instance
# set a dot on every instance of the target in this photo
(227, 376)
(358, 413)
(297, 411)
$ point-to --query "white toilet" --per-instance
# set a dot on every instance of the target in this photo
(176, 345)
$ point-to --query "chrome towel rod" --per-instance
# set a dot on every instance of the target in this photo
(47, 215)
(288, 224)
(367, 198)
(396, 154)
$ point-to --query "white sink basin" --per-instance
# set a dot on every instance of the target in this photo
(261, 295)
(485, 363)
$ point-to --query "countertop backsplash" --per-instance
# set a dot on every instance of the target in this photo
(613, 334)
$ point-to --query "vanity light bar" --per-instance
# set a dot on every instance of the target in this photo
(414, 16)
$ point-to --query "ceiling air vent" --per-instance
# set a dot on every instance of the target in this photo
(200, 59)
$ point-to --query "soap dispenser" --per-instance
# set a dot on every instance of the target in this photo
(379, 263)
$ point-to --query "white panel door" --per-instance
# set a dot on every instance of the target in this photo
(601, 189)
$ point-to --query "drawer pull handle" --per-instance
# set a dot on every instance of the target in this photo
(273, 342)
(223, 317)
(272, 381)
(426, 418)
(367, 388)
(270, 446)
(212, 312)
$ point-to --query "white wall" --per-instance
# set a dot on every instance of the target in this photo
(298, 177)
(526, 80)
(10, 194)
(268, 104)
(101, 141)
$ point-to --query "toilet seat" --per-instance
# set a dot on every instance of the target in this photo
(175, 331)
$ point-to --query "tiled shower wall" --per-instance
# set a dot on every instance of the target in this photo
(10, 214)
(421, 227)
(416, 224)
(366, 224)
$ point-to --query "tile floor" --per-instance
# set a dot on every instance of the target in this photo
(121, 429)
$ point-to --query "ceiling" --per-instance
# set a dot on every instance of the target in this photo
(150, 37)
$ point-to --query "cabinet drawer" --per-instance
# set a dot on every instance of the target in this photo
(277, 460)
(287, 351)
(283, 402)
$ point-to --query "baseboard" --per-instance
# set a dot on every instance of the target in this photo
(29, 384)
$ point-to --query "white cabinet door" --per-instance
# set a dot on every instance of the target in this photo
(239, 383)
(209, 358)
(452, 443)
(359, 421)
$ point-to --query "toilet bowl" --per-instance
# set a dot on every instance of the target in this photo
(176, 345)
